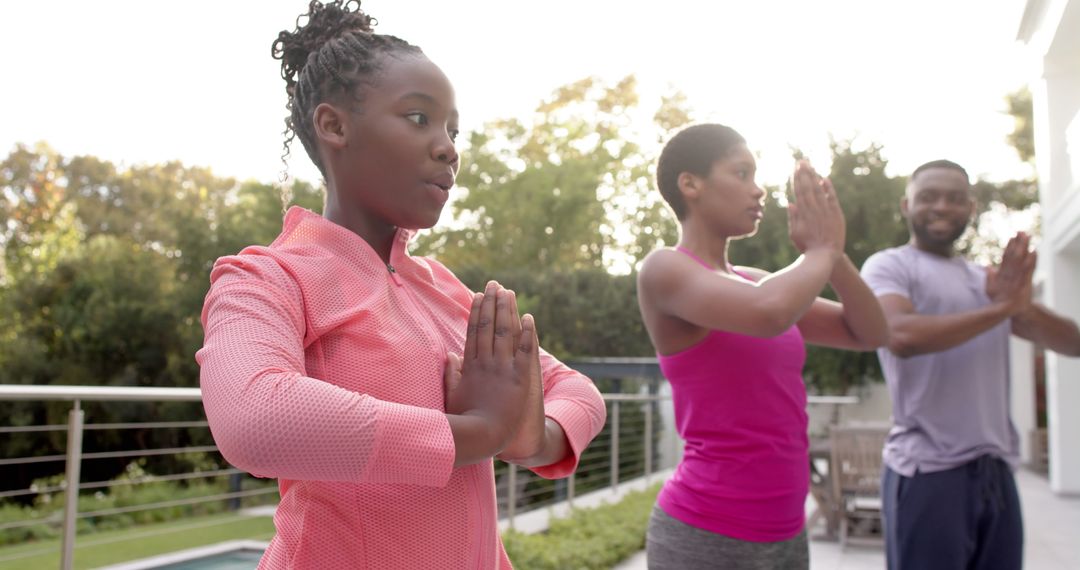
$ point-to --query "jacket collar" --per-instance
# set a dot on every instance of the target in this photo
(303, 227)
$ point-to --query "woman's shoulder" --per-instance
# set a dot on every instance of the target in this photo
(669, 264)
(253, 264)
(658, 271)
(664, 262)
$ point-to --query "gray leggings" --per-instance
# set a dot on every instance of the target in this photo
(675, 545)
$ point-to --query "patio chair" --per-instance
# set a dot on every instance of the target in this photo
(855, 470)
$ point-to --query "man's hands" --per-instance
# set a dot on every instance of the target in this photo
(1010, 282)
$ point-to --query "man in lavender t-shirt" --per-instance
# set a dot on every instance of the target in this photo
(950, 500)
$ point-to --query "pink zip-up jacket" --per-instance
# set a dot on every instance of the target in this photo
(323, 367)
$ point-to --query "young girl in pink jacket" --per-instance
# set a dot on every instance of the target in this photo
(373, 384)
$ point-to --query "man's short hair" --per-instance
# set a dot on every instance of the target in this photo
(941, 163)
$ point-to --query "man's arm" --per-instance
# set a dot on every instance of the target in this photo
(1031, 321)
(912, 334)
(1049, 329)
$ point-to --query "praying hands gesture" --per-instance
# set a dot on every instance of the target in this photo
(529, 438)
(1010, 281)
(815, 219)
(499, 377)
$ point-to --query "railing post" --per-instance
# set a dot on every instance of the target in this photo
(71, 482)
(615, 445)
(570, 489)
(648, 438)
(236, 484)
(511, 496)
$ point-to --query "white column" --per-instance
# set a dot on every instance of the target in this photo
(1063, 382)
(1022, 392)
(1057, 106)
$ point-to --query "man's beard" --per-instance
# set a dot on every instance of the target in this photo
(923, 235)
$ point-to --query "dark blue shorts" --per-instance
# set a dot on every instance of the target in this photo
(965, 518)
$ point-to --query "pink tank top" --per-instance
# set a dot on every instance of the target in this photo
(740, 406)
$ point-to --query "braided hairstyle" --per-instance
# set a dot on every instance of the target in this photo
(325, 59)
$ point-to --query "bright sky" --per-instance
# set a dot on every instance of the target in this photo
(145, 81)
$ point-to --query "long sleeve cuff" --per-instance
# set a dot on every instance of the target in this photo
(577, 423)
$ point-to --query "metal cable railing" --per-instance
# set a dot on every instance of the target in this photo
(118, 483)
(629, 447)
(624, 450)
(519, 490)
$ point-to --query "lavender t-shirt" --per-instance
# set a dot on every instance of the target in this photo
(952, 406)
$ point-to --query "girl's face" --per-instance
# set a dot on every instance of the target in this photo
(728, 198)
(400, 160)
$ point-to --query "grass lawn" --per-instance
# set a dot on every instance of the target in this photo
(113, 547)
(589, 538)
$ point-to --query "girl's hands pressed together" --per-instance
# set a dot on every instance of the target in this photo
(486, 399)
(529, 436)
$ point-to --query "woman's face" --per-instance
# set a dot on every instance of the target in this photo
(400, 161)
(729, 199)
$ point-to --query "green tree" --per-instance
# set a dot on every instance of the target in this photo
(105, 315)
(556, 192)
(871, 201)
(104, 274)
(186, 215)
(579, 312)
(37, 225)
(999, 204)
(1020, 106)
(648, 218)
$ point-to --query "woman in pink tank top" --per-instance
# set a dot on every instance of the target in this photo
(731, 342)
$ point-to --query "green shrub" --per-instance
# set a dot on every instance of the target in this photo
(51, 505)
(589, 539)
(12, 513)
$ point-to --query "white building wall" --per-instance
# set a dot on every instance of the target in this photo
(1051, 29)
